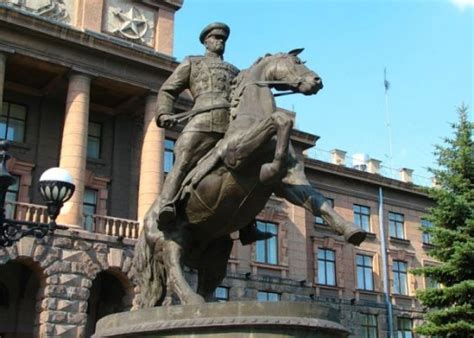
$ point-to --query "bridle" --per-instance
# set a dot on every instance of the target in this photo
(300, 79)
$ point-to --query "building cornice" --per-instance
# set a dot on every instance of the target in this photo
(69, 37)
(173, 5)
(306, 140)
(373, 179)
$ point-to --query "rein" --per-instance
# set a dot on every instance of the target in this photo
(267, 83)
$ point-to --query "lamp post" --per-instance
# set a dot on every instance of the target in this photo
(55, 186)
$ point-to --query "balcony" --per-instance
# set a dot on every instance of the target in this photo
(107, 225)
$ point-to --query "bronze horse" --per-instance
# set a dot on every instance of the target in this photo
(230, 186)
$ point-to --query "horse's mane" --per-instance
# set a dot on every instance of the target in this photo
(238, 82)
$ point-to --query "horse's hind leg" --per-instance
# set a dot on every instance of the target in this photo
(213, 267)
(297, 190)
(172, 253)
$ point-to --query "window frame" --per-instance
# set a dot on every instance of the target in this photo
(8, 117)
(170, 152)
(395, 224)
(360, 215)
(220, 299)
(267, 294)
(364, 268)
(427, 238)
(87, 204)
(402, 332)
(397, 280)
(325, 262)
(368, 327)
(268, 245)
(13, 190)
(98, 138)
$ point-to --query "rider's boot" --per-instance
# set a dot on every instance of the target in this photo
(351, 232)
(251, 234)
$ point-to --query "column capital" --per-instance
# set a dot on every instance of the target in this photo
(76, 70)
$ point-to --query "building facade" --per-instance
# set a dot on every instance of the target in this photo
(78, 85)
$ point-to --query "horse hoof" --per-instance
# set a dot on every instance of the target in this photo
(356, 236)
(194, 299)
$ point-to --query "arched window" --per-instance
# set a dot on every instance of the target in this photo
(19, 286)
(108, 295)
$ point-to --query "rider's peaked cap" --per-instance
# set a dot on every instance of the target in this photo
(217, 28)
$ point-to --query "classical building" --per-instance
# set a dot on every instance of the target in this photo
(78, 84)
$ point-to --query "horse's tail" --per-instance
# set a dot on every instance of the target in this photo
(149, 272)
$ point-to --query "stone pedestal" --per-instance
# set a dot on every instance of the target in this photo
(228, 320)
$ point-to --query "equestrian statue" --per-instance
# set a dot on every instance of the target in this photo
(246, 161)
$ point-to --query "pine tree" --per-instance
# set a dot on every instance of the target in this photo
(450, 308)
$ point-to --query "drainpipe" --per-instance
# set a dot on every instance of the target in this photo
(383, 254)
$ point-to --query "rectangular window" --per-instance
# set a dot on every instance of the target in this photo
(400, 280)
(369, 326)
(318, 219)
(90, 206)
(427, 237)
(94, 139)
(12, 122)
(11, 197)
(396, 224)
(221, 294)
(362, 216)
(365, 277)
(267, 251)
(404, 328)
(431, 283)
(169, 155)
(266, 296)
(326, 267)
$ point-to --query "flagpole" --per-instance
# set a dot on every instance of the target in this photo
(387, 118)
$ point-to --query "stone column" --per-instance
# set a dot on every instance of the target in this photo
(152, 157)
(3, 61)
(74, 145)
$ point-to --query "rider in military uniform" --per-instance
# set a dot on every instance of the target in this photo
(209, 80)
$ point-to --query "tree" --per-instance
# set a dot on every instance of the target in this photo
(450, 308)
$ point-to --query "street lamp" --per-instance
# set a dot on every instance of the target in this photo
(55, 186)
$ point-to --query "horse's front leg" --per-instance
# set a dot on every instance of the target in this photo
(271, 171)
(172, 254)
(238, 148)
(297, 190)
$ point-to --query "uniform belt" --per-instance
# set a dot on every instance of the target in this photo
(180, 117)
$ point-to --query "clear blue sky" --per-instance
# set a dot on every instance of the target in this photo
(426, 46)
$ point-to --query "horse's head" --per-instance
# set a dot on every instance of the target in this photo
(290, 73)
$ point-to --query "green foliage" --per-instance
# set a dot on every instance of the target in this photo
(450, 309)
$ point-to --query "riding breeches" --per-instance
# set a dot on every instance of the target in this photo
(190, 147)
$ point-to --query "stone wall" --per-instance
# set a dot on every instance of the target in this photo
(67, 264)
